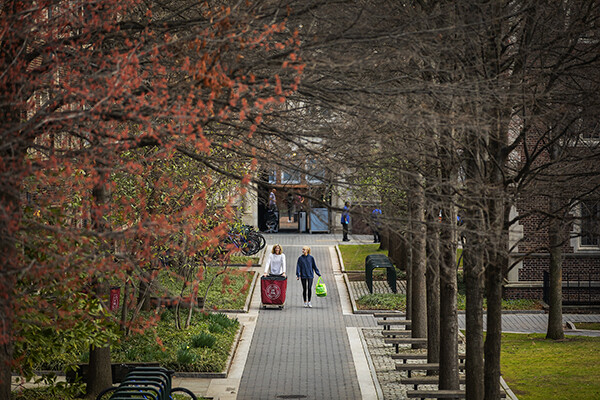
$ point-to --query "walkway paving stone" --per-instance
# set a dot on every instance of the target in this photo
(301, 352)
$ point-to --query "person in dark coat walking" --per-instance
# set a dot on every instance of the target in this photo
(345, 221)
(304, 271)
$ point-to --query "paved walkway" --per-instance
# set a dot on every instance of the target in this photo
(321, 352)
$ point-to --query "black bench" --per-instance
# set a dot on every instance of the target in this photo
(380, 261)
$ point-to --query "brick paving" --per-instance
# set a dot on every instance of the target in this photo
(301, 352)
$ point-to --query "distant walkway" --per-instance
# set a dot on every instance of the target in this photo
(297, 352)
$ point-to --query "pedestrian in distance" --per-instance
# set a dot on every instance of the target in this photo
(290, 206)
(345, 221)
(376, 224)
(304, 271)
(273, 200)
(276, 262)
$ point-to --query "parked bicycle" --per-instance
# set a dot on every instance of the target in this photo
(246, 239)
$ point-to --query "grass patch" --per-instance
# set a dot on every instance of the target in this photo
(538, 369)
(354, 255)
(382, 301)
(592, 326)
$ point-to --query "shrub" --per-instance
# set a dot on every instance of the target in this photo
(223, 320)
(185, 356)
(203, 340)
(216, 328)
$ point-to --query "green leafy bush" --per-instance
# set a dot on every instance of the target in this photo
(223, 320)
(203, 340)
(216, 328)
(185, 356)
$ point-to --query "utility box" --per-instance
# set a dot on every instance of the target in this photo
(302, 221)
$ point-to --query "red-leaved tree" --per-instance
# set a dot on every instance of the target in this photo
(82, 86)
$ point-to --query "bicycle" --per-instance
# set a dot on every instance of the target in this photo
(246, 239)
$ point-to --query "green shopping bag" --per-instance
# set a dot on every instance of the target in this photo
(321, 289)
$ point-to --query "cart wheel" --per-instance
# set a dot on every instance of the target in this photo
(264, 307)
(281, 307)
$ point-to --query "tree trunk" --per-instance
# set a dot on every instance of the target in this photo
(99, 375)
(448, 305)
(493, 339)
(473, 267)
(419, 265)
(494, 276)
(555, 326)
(99, 367)
(433, 289)
(9, 264)
(11, 165)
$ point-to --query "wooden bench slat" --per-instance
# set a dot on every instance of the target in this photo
(409, 367)
(415, 381)
(422, 366)
(395, 322)
(398, 332)
(403, 340)
(418, 356)
(389, 315)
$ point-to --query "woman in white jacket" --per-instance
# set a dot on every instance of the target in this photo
(276, 262)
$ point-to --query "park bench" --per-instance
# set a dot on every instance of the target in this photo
(395, 332)
(439, 394)
(389, 322)
(409, 367)
(389, 314)
(404, 340)
(152, 383)
(419, 356)
(426, 380)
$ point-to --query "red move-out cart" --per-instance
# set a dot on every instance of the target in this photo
(272, 290)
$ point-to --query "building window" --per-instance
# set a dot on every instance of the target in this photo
(290, 177)
(590, 223)
(272, 176)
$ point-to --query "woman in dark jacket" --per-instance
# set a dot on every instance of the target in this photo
(304, 271)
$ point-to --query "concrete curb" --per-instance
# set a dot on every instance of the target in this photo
(371, 365)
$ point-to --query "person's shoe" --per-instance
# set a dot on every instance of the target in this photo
(305, 304)
(346, 240)
(310, 305)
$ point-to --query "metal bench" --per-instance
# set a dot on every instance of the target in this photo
(373, 261)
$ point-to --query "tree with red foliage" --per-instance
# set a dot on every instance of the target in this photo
(81, 85)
